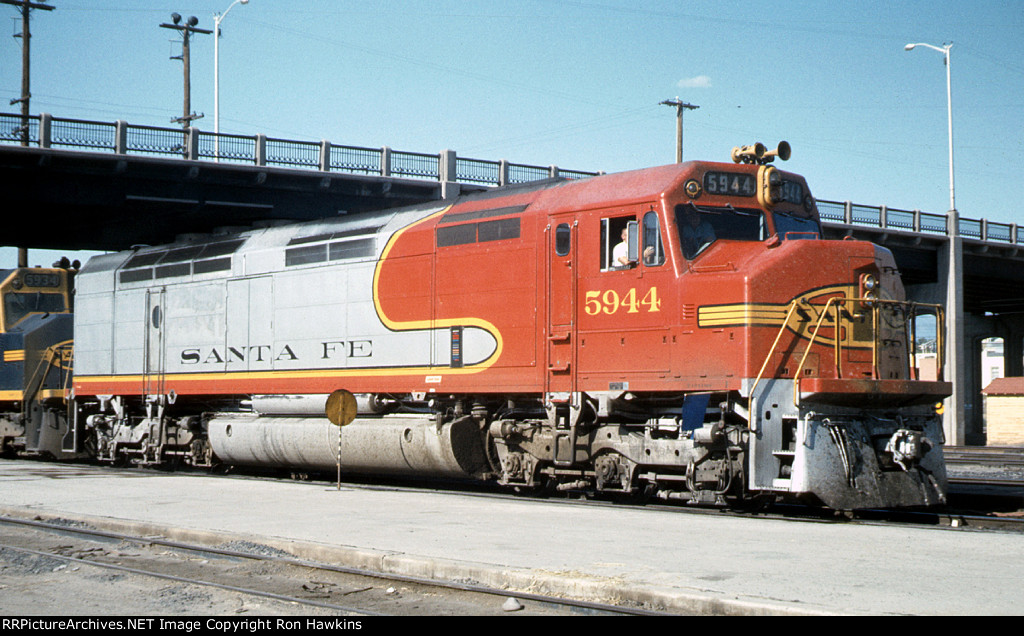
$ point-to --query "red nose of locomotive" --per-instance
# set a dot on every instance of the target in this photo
(827, 309)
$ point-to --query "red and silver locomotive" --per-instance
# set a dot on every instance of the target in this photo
(683, 331)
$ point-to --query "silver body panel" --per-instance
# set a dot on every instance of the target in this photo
(265, 313)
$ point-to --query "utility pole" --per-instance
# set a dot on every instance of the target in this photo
(26, 92)
(186, 30)
(679, 123)
(26, 36)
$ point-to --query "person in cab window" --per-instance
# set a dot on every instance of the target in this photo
(697, 233)
(620, 253)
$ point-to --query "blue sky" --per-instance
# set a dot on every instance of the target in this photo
(575, 83)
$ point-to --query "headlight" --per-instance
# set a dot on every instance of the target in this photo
(693, 189)
(869, 282)
(769, 186)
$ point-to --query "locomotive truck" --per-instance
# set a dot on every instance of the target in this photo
(683, 332)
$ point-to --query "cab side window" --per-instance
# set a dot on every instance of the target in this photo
(563, 239)
(653, 250)
(615, 243)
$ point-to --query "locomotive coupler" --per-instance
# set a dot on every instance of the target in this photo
(908, 448)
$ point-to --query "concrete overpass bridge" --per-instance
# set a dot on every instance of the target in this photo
(111, 185)
(148, 184)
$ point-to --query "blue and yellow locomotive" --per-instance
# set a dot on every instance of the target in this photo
(36, 324)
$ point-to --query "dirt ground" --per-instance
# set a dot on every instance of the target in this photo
(34, 584)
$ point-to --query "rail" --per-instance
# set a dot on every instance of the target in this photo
(57, 357)
(915, 221)
(875, 305)
(910, 311)
(120, 137)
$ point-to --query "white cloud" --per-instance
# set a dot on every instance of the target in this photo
(700, 81)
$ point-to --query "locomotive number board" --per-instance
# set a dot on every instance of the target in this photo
(42, 280)
(737, 184)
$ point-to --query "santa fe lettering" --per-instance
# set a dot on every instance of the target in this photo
(347, 349)
(265, 353)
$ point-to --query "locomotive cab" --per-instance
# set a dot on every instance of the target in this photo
(737, 353)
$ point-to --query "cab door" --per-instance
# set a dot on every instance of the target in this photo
(624, 340)
(154, 351)
(560, 336)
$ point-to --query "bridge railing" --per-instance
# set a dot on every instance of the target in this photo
(886, 218)
(121, 137)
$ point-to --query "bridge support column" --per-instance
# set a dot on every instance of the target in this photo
(1013, 353)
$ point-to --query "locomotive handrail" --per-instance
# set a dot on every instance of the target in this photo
(807, 351)
(46, 362)
(836, 302)
(792, 307)
(875, 304)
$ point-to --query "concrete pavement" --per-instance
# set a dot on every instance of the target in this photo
(709, 563)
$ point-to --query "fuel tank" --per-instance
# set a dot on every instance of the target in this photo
(395, 444)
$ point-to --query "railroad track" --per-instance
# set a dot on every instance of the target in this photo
(987, 455)
(986, 466)
(357, 581)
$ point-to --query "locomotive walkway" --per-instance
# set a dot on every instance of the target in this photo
(702, 563)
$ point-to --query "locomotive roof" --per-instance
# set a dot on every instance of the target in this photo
(616, 189)
(539, 197)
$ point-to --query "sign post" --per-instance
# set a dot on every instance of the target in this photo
(341, 410)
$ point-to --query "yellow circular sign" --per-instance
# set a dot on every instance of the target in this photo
(341, 407)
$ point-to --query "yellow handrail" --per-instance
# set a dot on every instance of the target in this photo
(875, 305)
(807, 351)
(46, 361)
(792, 308)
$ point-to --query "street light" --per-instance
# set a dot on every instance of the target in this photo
(217, 18)
(956, 352)
(949, 111)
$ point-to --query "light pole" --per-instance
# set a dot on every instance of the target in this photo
(217, 18)
(957, 352)
(949, 111)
